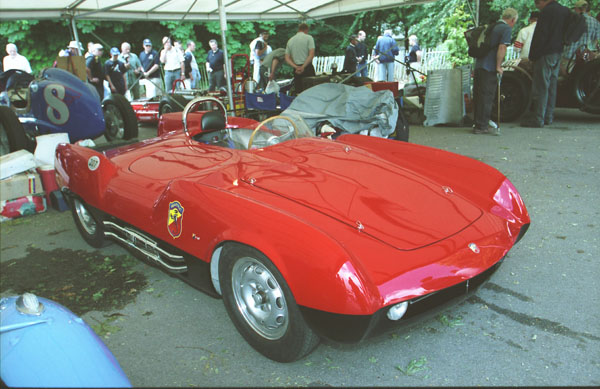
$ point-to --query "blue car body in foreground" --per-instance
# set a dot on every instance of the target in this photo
(52, 347)
(62, 103)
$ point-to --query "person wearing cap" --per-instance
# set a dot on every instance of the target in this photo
(74, 48)
(173, 59)
(351, 58)
(590, 38)
(95, 69)
(115, 72)
(523, 41)
(14, 60)
(134, 71)
(150, 69)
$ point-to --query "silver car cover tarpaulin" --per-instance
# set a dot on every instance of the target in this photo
(355, 110)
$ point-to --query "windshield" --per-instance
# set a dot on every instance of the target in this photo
(245, 136)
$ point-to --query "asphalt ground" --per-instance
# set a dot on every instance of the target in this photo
(536, 322)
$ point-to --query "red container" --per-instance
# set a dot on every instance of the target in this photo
(383, 85)
(23, 206)
(48, 177)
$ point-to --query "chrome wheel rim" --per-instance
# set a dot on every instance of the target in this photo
(259, 298)
(4, 142)
(87, 221)
(115, 124)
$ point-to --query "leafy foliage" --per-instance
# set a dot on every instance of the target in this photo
(437, 24)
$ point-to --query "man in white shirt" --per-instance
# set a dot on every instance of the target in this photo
(173, 59)
(259, 49)
(14, 60)
(523, 41)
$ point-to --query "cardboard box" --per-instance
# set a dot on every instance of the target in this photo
(23, 206)
(19, 185)
(73, 64)
(16, 162)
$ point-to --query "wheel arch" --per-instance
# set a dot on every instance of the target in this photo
(301, 249)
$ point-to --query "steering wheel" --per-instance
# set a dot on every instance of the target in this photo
(190, 107)
(267, 121)
(14, 80)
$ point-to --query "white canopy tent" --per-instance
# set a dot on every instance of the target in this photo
(252, 10)
(191, 10)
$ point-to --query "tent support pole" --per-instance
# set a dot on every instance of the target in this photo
(223, 19)
(75, 35)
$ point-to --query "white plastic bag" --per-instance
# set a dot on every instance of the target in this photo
(272, 87)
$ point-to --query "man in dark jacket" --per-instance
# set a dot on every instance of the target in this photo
(351, 58)
(361, 53)
(95, 69)
(545, 52)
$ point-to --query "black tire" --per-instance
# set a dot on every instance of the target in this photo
(289, 338)
(515, 92)
(89, 225)
(12, 133)
(172, 103)
(121, 122)
(586, 86)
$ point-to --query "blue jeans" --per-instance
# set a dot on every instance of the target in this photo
(196, 75)
(385, 71)
(363, 70)
(543, 88)
(170, 77)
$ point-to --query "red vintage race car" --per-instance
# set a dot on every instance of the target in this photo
(303, 237)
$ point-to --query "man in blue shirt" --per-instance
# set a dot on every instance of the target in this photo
(115, 72)
(215, 60)
(386, 50)
(487, 71)
(150, 69)
(545, 52)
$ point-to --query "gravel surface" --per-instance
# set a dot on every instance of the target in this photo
(536, 322)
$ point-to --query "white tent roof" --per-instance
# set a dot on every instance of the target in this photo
(251, 10)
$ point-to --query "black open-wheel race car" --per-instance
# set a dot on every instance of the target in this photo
(578, 86)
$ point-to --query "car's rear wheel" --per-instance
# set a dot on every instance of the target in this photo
(121, 122)
(89, 225)
(515, 90)
(12, 133)
(173, 103)
(587, 86)
(261, 305)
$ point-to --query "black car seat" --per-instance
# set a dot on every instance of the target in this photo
(212, 121)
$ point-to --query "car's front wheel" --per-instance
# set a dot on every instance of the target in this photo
(121, 123)
(12, 133)
(90, 226)
(261, 305)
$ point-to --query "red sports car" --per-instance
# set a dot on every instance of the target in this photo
(303, 237)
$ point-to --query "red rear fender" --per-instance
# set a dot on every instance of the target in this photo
(83, 171)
